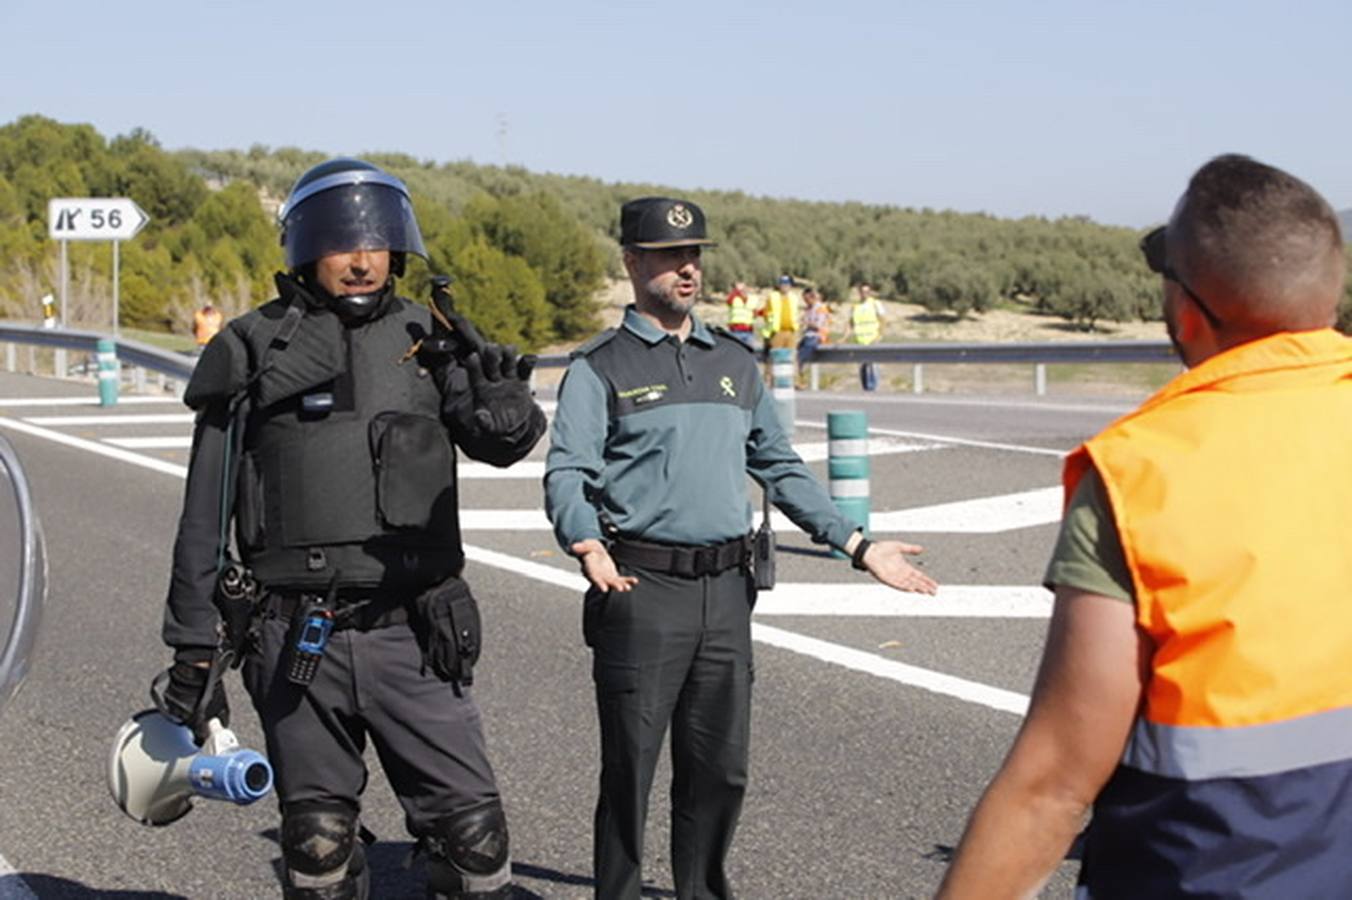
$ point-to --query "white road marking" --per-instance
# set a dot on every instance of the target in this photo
(114, 419)
(815, 451)
(847, 657)
(868, 598)
(532, 469)
(83, 401)
(98, 447)
(914, 676)
(856, 660)
(810, 451)
(983, 515)
(945, 439)
(180, 442)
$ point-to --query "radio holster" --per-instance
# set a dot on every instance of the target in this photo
(445, 620)
(763, 548)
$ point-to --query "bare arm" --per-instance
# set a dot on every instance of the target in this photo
(1086, 698)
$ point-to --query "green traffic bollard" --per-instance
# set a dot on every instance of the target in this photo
(847, 465)
(109, 372)
(783, 369)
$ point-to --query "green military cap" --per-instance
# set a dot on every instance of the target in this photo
(655, 223)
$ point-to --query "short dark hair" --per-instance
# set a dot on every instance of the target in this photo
(1265, 244)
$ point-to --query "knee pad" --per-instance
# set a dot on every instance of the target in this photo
(323, 858)
(467, 854)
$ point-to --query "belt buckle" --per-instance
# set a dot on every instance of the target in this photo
(706, 561)
(685, 562)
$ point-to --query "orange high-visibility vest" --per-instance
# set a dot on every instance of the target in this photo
(1231, 489)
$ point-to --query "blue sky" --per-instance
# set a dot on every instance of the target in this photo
(1055, 108)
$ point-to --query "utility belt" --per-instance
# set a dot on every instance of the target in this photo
(358, 610)
(684, 560)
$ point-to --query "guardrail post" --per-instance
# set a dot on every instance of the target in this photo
(109, 373)
(847, 465)
(814, 377)
(917, 379)
(11, 362)
(1040, 379)
(59, 363)
(138, 380)
(782, 368)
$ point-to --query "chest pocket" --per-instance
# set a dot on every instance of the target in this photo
(414, 468)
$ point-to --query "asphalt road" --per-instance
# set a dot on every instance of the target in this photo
(878, 718)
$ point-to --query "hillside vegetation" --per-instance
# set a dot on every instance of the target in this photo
(529, 251)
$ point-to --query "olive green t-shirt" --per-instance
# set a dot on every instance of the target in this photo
(1088, 554)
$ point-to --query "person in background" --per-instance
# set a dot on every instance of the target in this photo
(741, 316)
(779, 313)
(866, 328)
(206, 324)
(1196, 686)
(816, 321)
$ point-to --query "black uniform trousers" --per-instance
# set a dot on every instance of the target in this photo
(672, 650)
(429, 741)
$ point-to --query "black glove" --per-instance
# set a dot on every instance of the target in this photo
(181, 698)
(499, 380)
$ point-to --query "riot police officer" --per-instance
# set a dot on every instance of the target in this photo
(326, 432)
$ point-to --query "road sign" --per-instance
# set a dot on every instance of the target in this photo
(94, 218)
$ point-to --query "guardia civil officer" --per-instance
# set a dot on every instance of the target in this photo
(334, 443)
(658, 423)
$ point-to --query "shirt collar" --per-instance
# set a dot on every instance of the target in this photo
(651, 334)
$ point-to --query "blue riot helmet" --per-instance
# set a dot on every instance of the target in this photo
(343, 205)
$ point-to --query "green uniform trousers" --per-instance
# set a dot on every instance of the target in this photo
(672, 650)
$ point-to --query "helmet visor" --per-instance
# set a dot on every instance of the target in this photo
(364, 216)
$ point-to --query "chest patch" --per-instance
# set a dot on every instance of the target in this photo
(648, 393)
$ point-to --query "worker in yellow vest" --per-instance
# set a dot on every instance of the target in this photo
(741, 317)
(866, 328)
(780, 315)
(1196, 686)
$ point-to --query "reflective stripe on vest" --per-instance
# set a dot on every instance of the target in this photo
(1231, 490)
(864, 321)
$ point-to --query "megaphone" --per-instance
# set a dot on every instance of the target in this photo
(156, 769)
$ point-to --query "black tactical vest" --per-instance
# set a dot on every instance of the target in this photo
(346, 466)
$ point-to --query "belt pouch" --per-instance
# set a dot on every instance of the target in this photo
(446, 622)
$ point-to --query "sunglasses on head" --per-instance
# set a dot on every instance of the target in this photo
(1154, 246)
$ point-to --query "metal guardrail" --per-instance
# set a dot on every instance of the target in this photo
(1040, 354)
(131, 353)
(18, 636)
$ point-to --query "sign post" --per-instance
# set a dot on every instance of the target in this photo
(113, 219)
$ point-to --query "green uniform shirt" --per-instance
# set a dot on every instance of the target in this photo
(1088, 554)
(656, 436)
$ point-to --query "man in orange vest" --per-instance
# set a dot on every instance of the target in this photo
(205, 323)
(1196, 686)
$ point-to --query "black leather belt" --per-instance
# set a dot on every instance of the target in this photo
(679, 559)
(363, 613)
